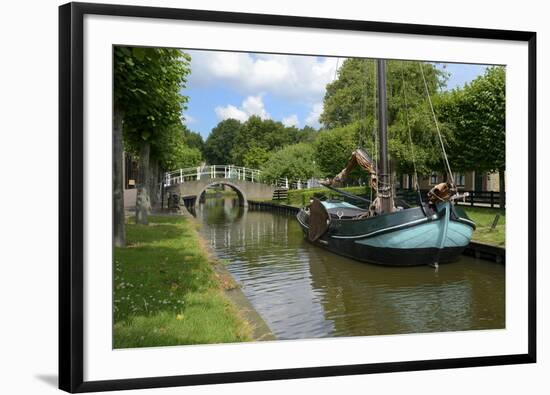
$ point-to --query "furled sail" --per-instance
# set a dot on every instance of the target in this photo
(360, 158)
(441, 193)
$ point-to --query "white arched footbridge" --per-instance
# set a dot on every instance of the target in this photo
(192, 182)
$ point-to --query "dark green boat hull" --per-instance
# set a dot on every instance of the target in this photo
(409, 237)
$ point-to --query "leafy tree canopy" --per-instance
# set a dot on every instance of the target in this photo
(351, 100)
(180, 153)
(250, 142)
(193, 139)
(220, 142)
(255, 157)
(352, 96)
(477, 115)
(295, 162)
(333, 148)
(147, 89)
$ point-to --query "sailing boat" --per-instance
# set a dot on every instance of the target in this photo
(436, 231)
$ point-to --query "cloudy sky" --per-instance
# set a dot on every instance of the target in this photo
(286, 88)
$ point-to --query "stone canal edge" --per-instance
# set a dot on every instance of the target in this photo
(232, 289)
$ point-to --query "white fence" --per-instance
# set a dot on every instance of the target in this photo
(233, 173)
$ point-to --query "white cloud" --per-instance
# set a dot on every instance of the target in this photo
(252, 105)
(300, 78)
(188, 119)
(291, 120)
(230, 111)
(314, 115)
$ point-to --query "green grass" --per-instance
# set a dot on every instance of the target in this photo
(166, 291)
(484, 217)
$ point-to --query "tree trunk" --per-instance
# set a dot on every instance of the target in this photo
(119, 234)
(501, 188)
(153, 184)
(143, 203)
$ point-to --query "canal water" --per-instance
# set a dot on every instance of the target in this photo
(302, 291)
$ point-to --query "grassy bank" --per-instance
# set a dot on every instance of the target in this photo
(484, 217)
(166, 291)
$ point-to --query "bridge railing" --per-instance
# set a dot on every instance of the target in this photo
(231, 172)
(211, 171)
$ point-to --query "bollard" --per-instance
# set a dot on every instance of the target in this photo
(495, 222)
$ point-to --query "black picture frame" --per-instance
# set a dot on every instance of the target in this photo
(71, 205)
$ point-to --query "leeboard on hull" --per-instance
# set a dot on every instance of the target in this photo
(404, 238)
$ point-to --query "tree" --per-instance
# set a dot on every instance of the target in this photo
(295, 162)
(477, 116)
(306, 135)
(351, 99)
(256, 132)
(148, 82)
(220, 142)
(333, 148)
(352, 96)
(181, 154)
(193, 139)
(256, 157)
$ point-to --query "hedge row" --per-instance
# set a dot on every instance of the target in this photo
(301, 197)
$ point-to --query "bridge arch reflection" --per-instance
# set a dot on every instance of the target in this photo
(243, 201)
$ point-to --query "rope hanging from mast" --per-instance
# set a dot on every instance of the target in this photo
(449, 172)
(416, 187)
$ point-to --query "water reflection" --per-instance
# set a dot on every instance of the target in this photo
(303, 291)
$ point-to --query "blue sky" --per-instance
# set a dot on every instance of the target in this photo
(286, 88)
(461, 74)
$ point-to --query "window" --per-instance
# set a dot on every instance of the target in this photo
(433, 178)
(460, 179)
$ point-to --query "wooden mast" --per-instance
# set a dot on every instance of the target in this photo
(384, 179)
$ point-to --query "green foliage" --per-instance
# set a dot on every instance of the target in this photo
(147, 85)
(193, 139)
(173, 151)
(255, 157)
(301, 197)
(166, 291)
(261, 133)
(295, 162)
(333, 149)
(351, 96)
(351, 100)
(249, 143)
(220, 142)
(477, 116)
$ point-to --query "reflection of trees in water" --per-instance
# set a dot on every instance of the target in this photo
(221, 210)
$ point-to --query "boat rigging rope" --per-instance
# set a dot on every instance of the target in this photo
(437, 127)
(409, 128)
(363, 111)
(336, 69)
(374, 123)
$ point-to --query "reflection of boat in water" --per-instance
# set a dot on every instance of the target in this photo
(364, 300)
(432, 233)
